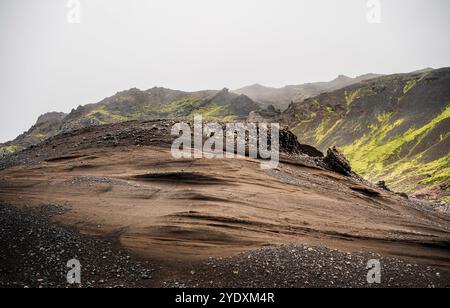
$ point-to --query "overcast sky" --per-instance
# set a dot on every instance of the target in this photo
(48, 64)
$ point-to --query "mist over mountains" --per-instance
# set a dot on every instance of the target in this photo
(282, 97)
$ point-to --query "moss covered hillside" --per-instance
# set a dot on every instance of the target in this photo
(394, 128)
(134, 104)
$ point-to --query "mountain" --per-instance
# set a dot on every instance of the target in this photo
(134, 104)
(159, 103)
(162, 103)
(394, 128)
(47, 125)
(280, 98)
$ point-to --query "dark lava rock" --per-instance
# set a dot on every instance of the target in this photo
(34, 253)
(289, 144)
(307, 267)
(403, 195)
(383, 185)
(337, 162)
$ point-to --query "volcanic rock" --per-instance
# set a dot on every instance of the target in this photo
(337, 162)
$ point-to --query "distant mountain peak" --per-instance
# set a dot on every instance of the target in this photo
(280, 98)
(132, 90)
(425, 70)
(258, 86)
(342, 77)
(51, 117)
(158, 89)
(368, 75)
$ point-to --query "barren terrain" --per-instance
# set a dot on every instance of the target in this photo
(120, 182)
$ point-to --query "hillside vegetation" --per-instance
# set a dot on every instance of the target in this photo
(394, 128)
(134, 104)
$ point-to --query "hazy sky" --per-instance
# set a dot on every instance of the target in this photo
(47, 64)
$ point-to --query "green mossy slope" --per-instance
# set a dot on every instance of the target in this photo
(394, 128)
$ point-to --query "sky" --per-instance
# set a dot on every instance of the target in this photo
(51, 60)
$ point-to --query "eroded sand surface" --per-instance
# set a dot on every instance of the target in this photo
(174, 210)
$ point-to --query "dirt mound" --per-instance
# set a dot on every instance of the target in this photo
(135, 133)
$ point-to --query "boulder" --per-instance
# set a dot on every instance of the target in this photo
(383, 185)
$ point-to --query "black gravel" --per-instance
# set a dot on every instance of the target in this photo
(308, 267)
(34, 254)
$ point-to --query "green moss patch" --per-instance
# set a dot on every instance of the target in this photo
(371, 156)
(409, 85)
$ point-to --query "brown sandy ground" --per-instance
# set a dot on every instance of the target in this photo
(182, 211)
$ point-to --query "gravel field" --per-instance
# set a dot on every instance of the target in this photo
(34, 254)
(309, 267)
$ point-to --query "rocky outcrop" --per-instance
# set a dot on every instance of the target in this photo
(336, 161)
(382, 185)
(50, 118)
(289, 144)
(233, 104)
(47, 125)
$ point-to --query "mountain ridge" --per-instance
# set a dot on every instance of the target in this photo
(393, 128)
(280, 98)
(135, 104)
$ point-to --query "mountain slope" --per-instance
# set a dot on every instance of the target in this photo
(134, 104)
(47, 125)
(394, 128)
(161, 103)
(280, 98)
